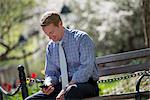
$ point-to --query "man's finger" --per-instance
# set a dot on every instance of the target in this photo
(47, 89)
(60, 97)
(60, 94)
(50, 91)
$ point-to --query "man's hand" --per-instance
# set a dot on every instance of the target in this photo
(60, 96)
(48, 90)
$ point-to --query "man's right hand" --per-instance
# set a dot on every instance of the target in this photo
(48, 90)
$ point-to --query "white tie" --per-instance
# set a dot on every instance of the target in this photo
(63, 66)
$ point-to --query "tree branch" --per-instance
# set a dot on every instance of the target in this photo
(25, 17)
(146, 21)
(9, 49)
(4, 44)
(18, 57)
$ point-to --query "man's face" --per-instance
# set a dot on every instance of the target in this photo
(54, 32)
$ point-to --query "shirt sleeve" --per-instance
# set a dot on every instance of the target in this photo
(51, 72)
(87, 59)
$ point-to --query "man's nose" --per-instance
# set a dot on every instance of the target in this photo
(50, 36)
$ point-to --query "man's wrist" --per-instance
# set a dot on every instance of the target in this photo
(72, 82)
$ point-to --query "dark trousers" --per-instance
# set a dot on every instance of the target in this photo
(83, 90)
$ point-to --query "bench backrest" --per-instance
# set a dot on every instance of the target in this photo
(119, 63)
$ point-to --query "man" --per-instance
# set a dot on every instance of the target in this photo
(80, 60)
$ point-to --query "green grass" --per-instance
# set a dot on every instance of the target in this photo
(105, 88)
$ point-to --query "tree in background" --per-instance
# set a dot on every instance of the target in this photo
(13, 14)
(145, 6)
(115, 25)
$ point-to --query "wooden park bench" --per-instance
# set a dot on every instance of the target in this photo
(119, 64)
(113, 64)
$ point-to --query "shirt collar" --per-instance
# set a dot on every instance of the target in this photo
(65, 37)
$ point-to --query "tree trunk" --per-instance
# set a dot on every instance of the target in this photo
(145, 4)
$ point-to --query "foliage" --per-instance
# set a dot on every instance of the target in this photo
(114, 25)
(13, 15)
(14, 24)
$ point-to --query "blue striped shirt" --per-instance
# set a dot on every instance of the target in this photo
(80, 57)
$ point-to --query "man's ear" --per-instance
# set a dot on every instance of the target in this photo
(60, 23)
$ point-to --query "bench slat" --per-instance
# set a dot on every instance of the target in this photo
(123, 56)
(104, 71)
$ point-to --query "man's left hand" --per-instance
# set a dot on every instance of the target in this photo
(60, 96)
